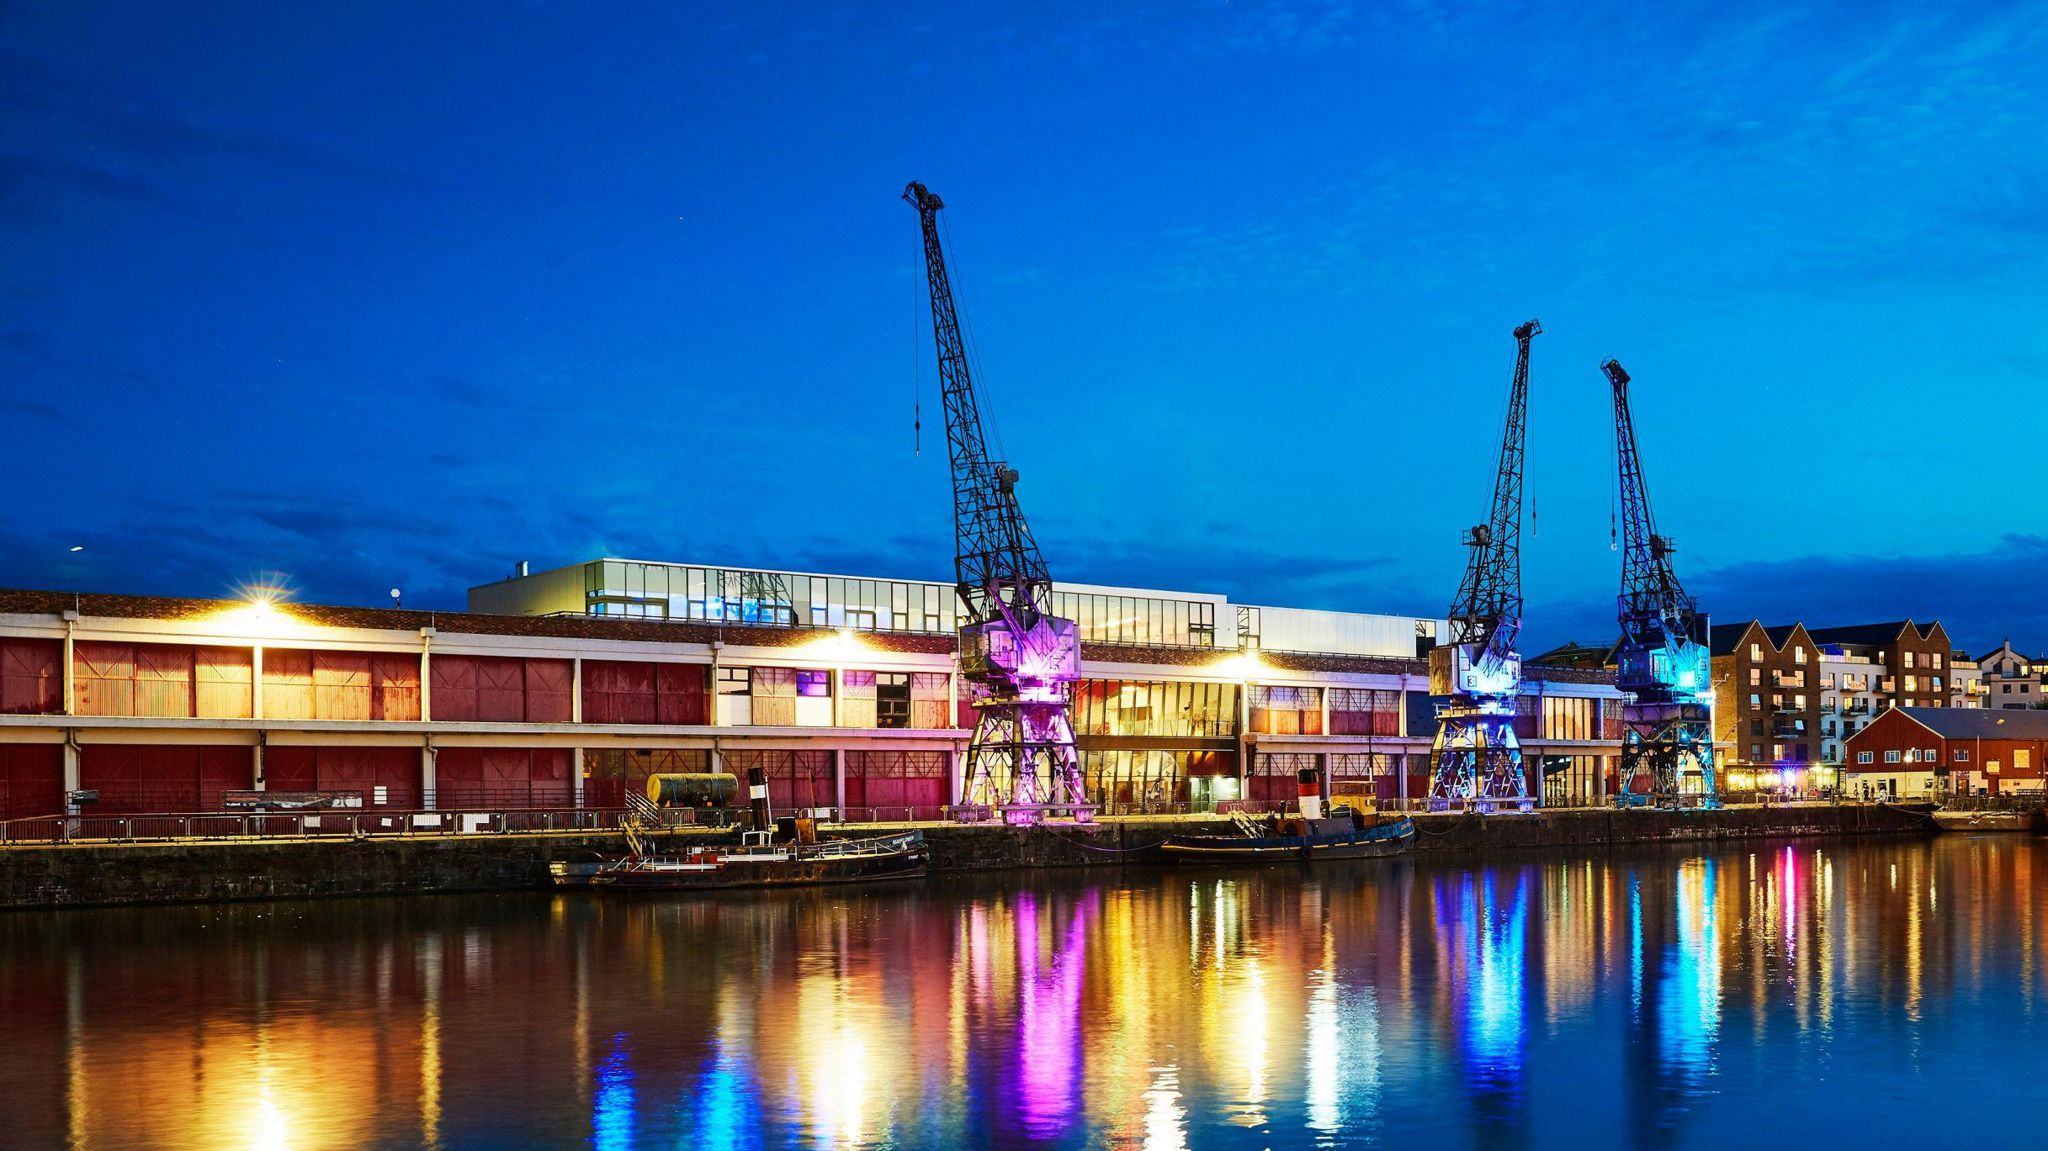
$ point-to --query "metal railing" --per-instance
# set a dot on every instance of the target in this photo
(279, 825)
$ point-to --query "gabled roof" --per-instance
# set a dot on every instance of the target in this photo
(1871, 634)
(2005, 648)
(1722, 639)
(1974, 722)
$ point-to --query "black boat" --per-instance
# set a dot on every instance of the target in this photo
(1294, 838)
(755, 862)
(767, 856)
(1306, 835)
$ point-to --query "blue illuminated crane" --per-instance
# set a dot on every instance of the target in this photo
(1667, 713)
(1024, 659)
(1477, 758)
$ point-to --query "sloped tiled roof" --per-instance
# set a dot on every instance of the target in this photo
(1871, 634)
(1979, 722)
(1722, 638)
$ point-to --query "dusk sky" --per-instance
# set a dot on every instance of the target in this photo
(400, 297)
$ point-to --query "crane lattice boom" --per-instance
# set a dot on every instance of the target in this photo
(1022, 658)
(1664, 667)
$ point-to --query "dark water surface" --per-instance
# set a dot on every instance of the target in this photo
(1868, 995)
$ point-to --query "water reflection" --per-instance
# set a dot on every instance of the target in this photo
(1651, 1001)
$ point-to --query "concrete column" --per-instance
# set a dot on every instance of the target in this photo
(427, 784)
(72, 774)
(838, 767)
(70, 664)
(957, 769)
(427, 679)
(256, 681)
(717, 652)
(1323, 694)
(1401, 776)
(576, 710)
(576, 765)
(1244, 737)
(256, 766)
(838, 698)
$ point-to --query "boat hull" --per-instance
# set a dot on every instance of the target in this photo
(1368, 843)
(902, 857)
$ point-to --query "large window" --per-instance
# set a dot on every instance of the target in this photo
(892, 699)
(1287, 710)
(1364, 711)
(1566, 717)
(766, 599)
(1140, 620)
(1140, 708)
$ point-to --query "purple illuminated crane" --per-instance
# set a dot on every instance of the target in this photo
(1023, 658)
(1477, 758)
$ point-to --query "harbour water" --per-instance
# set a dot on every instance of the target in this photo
(1812, 994)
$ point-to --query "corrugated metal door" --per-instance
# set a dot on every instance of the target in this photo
(104, 678)
(454, 686)
(500, 690)
(287, 684)
(618, 692)
(928, 700)
(341, 685)
(458, 776)
(163, 680)
(289, 769)
(31, 677)
(549, 785)
(31, 780)
(548, 686)
(395, 685)
(221, 680)
(680, 696)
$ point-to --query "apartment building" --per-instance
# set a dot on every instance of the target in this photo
(2012, 681)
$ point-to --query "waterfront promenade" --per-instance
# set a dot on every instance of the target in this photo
(501, 854)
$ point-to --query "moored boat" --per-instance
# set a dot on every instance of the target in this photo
(755, 862)
(764, 857)
(1294, 838)
(1349, 832)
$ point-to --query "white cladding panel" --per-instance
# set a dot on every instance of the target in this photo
(542, 593)
(1340, 632)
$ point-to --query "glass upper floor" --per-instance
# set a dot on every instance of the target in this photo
(760, 597)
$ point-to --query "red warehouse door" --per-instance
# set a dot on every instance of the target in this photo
(132, 778)
(31, 779)
(898, 784)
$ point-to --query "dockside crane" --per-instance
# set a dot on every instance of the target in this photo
(1667, 716)
(1022, 658)
(1476, 758)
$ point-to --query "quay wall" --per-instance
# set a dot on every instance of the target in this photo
(102, 874)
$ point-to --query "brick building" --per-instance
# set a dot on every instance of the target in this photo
(1787, 697)
(1913, 751)
(1766, 701)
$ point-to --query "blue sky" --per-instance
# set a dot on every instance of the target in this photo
(402, 297)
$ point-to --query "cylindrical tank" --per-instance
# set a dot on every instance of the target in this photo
(693, 789)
